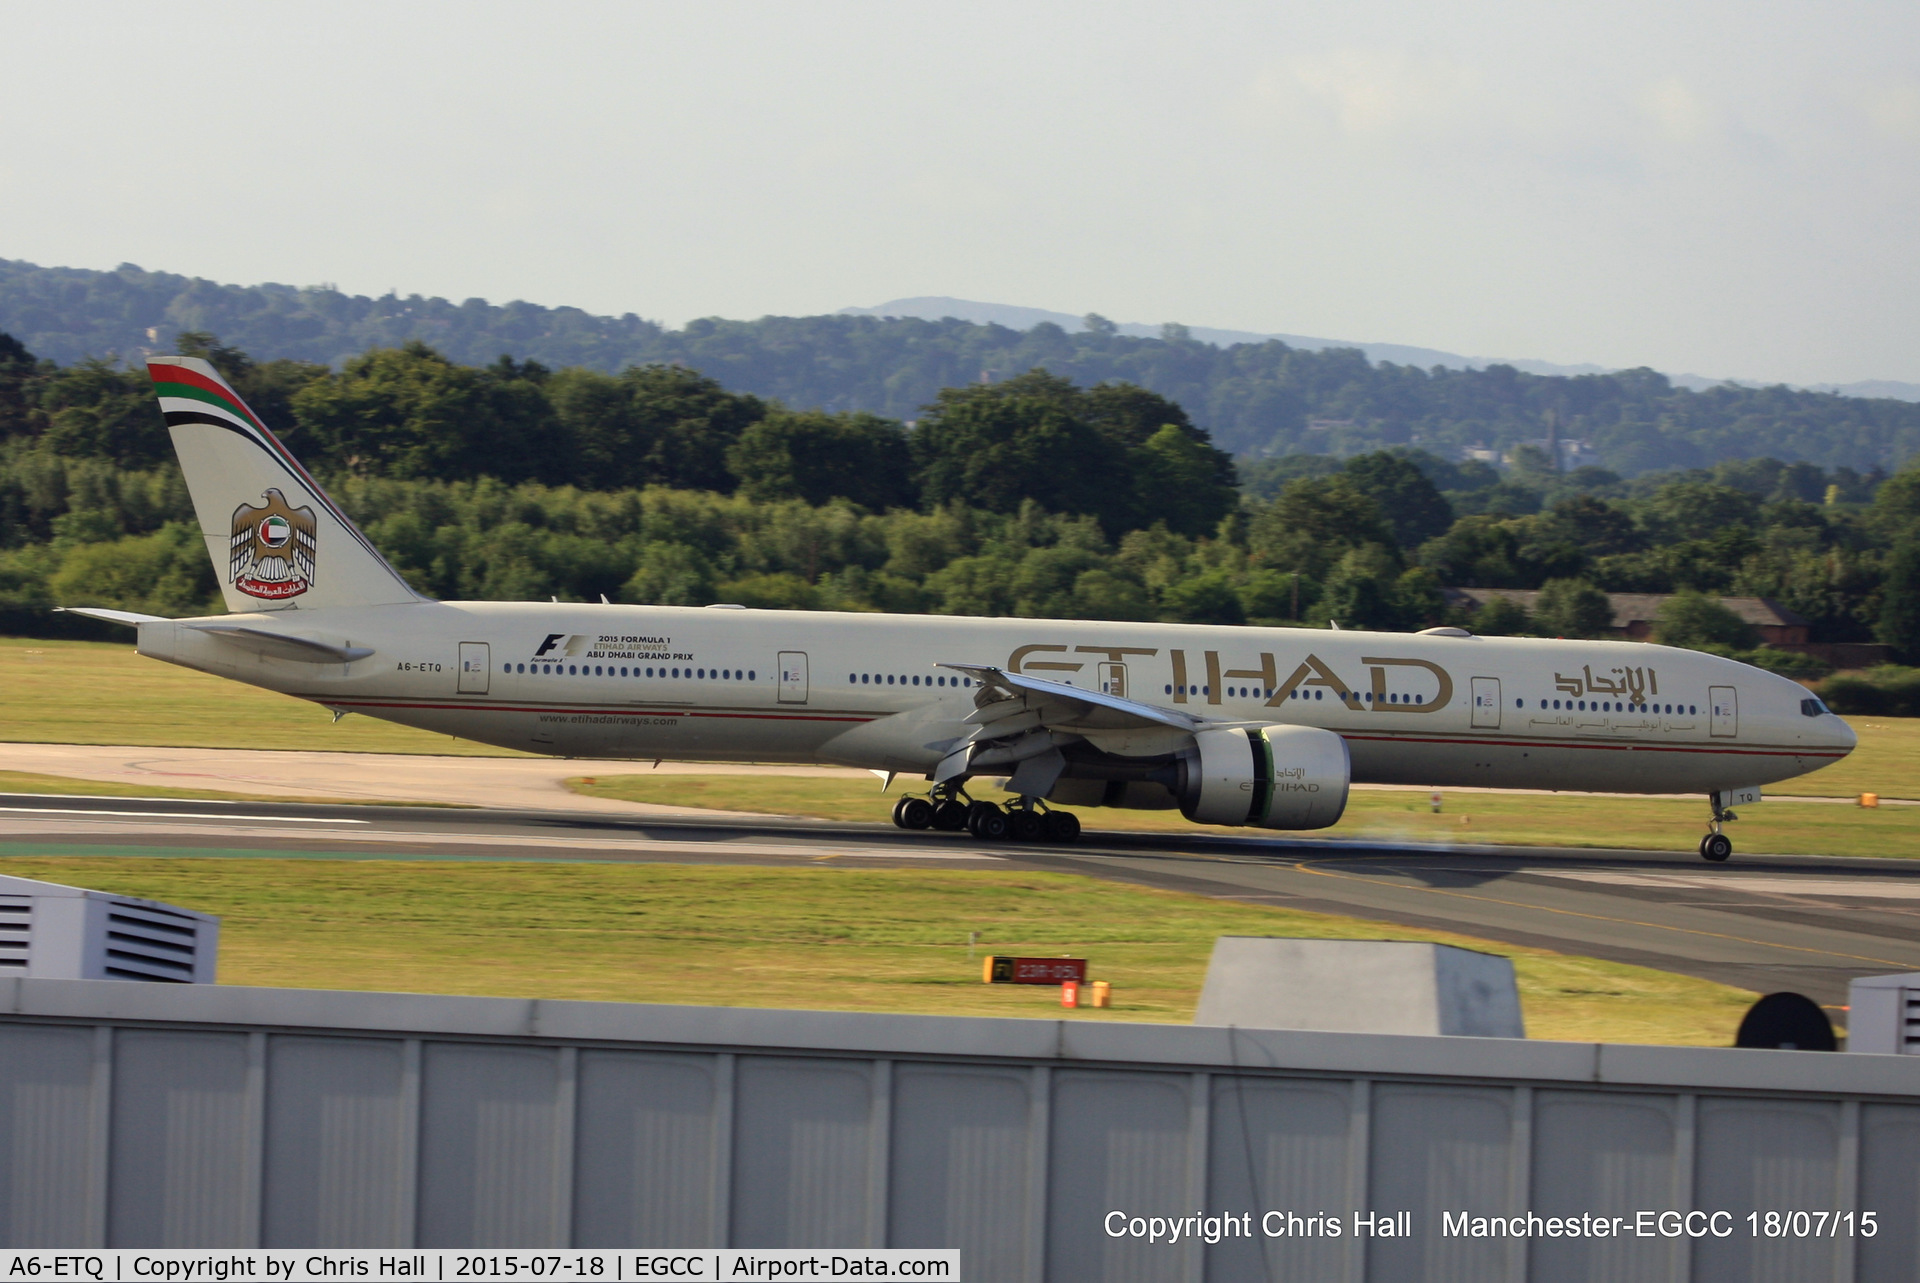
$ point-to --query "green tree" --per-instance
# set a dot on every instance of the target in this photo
(1116, 452)
(1896, 505)
(167, 573)
(996, 446)
(96, 410)
(1178, 480)
(654, 425)
(1695, 620)
(1313, 522)
(1592, 525)
(1699, 509)
(1206, 598)
(1360, 593)
(410, 412)
(1411, 503)
(1501, 617)
(18, 371)
(1269, 596)
(1573, 608)
(1480, 551)
(1899, 623)
(1101, 594)
(670, 574)
(815, 457)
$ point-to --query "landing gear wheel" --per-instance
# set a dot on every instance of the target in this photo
(898, 807)
(1025, 826)
(1716, 847)
(987, 822)
(950, 816)
(1062, 827)
(913, 813)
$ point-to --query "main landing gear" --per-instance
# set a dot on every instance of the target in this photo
(1025, 819)
(1717, 846)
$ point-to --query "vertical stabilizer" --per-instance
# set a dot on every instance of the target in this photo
(276, 539)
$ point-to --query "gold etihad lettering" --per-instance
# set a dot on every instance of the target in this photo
(1018, 662)
(1380, 666)
(1311, 672)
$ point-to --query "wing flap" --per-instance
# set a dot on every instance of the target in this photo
(1018, 719)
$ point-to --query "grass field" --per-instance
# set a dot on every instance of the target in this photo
(1887, 762)
(1528, 819)
(834, 938)
(62, 692)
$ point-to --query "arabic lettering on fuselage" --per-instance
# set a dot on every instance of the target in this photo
(1635, 683)
(1312, 671)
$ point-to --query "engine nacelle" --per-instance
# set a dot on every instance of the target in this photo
(1273, 777)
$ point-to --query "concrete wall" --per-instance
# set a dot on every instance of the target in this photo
(150, 1115)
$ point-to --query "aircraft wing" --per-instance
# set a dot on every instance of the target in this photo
(1021, 723)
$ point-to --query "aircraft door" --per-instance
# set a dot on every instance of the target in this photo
(1486, 702)
(1113, 680)
(1724, 704)
(474, 668)
(793, 677)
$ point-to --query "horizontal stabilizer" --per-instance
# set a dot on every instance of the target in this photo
(283, 645)
(131, 618)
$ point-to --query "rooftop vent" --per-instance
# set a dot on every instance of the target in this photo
(1884, 1014)
(49, 931)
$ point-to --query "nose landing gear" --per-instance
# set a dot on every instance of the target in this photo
(1717, 846)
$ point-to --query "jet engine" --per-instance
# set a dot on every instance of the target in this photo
(1273, 777)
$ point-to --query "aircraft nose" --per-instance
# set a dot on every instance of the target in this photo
(1842, 735)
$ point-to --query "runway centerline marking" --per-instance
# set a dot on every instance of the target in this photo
(1601, 917)
(1862, 889)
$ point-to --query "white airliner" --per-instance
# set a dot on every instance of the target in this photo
(1264, 727)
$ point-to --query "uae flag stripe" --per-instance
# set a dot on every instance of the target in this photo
(177, 383)
(187, 383)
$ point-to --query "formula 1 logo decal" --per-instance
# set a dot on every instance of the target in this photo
(271, 554)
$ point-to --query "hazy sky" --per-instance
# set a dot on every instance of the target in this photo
(1716, 188)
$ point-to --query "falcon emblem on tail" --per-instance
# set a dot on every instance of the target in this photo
(271, 555)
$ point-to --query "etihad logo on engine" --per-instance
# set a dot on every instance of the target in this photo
(1212, 681)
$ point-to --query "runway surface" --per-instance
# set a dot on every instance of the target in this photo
(1760, 923)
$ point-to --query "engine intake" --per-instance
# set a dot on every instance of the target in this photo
(1273, 777)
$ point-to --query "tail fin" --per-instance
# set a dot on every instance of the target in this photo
(286, 543)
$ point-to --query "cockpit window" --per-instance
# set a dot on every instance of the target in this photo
(1811, 707)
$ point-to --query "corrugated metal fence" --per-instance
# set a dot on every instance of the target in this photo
(149, 1115)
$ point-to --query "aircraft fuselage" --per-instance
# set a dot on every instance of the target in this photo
(867, 690)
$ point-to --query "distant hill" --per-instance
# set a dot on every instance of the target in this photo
(1257, 395)
(1025, 318)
